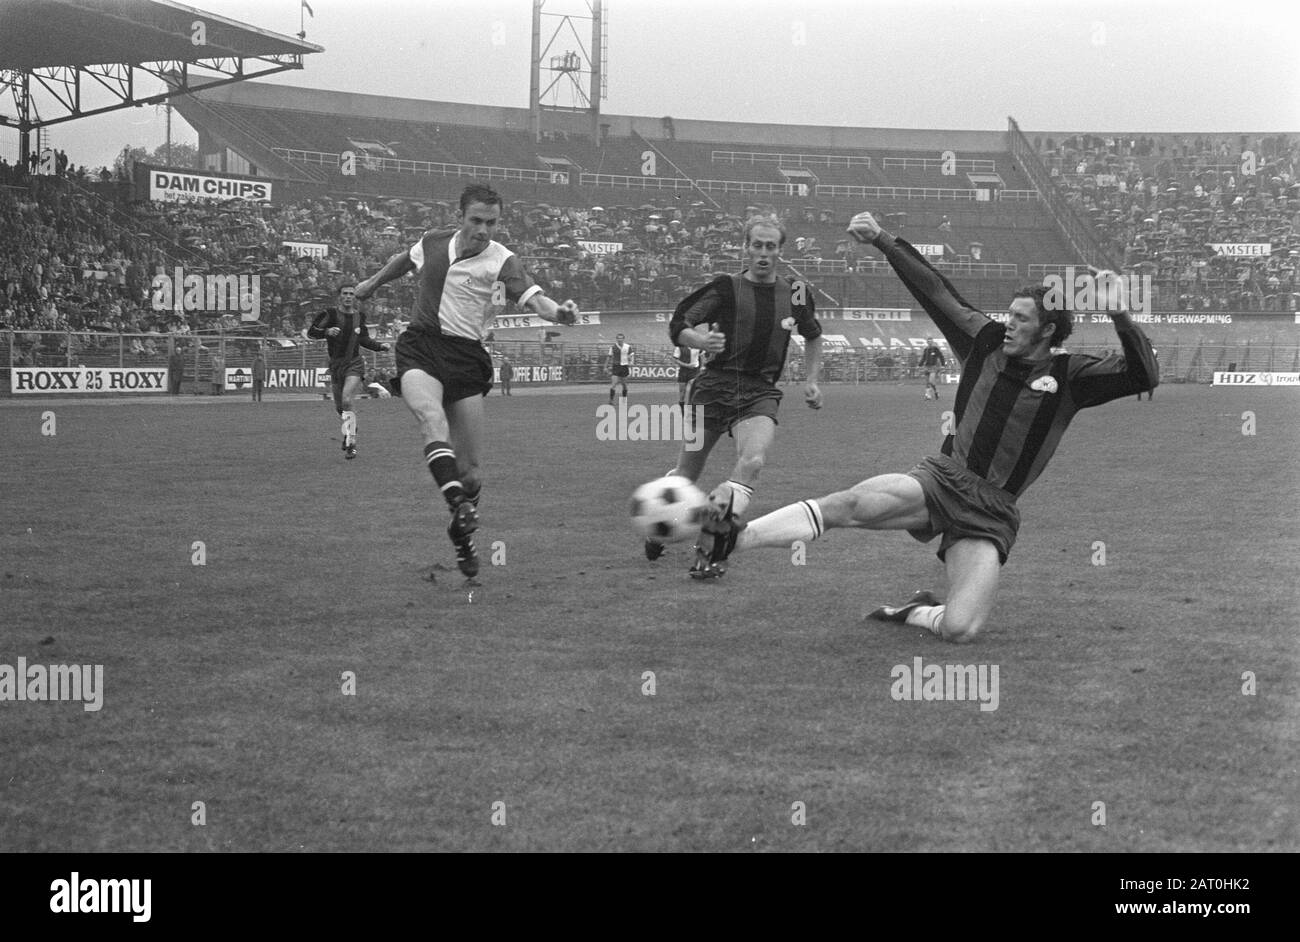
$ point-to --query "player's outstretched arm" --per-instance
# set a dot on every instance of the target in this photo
(957, 320)
(565, 313)
(1094, 381)
(394, 268)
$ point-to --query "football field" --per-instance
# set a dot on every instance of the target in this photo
(279, 674)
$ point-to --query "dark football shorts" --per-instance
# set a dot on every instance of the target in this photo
(460, 364)
(963, 505)
(341, 371)
(687, 373)
(620, 371)
(729, 398)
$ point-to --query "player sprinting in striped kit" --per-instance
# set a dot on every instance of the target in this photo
(344, 331)
(1014, 402)
(743, 322)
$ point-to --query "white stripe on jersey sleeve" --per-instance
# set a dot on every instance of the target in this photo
(523, 298)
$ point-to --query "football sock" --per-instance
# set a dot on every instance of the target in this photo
(927, 617)
(801, 521)
(740, 496)
(442, 465)
(611, 395)
(624, 392)
(349, 427)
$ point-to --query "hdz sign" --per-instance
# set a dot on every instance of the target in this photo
(1256, 379)
(77, 379)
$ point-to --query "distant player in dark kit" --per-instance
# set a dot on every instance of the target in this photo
(931, 359)
(688, 361)
(1013, 404)
(620, 364)
(345, 332)
(507, 374)
(443, 370)
(259, 375)
(743, 322)
(175, 370)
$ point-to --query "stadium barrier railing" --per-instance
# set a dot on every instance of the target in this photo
(299, 367)
(841, 161)
(977, 165)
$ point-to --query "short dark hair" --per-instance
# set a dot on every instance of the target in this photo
(346, 284)
(479, 193)
(1062, 320)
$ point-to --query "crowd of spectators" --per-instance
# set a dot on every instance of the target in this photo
(1162, 207)
(73, 259)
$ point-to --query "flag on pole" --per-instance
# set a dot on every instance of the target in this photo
(306, 6)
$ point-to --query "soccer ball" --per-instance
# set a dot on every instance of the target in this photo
(669, 510)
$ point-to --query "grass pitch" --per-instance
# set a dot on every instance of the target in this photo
(1120, 683)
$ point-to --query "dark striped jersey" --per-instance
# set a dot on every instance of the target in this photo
(933, 356)
(456, 295)
(1011, 412)
(756, 318)
(353, 333)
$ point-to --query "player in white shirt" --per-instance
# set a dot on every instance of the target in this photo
(443, 371)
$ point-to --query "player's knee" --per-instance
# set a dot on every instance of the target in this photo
(960, 627)
(470, 479)
(345, 403)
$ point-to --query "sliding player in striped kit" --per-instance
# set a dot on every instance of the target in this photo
(344, 331)
(1014, 402)
(743, 322)
(443, 372)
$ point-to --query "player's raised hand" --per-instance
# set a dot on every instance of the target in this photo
(864, 227)
(715, 341)
(812, 394)
(1111, 293)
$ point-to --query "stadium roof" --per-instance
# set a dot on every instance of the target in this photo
(61, 47)
(46, 33)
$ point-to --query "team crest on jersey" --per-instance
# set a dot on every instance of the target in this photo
(1045, 384)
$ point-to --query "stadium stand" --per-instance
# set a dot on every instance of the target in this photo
(629, 246)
